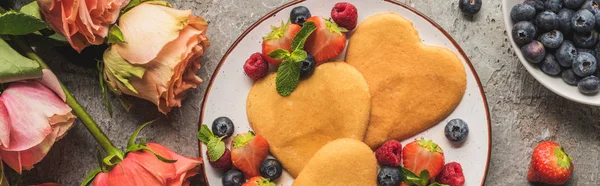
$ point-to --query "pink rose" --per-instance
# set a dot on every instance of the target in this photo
(142, 168)
(33, 115)
(82, 22)
(160, 56)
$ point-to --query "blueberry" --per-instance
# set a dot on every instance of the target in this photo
(566, 54)
(388, 176)
(569, 77)
(537, 4)
(583, 21)
(534, 52)
(469, 7)
(564, 20)
(573, 4)
(308, 66)
(547, 21)
(550, 66)
(589, 85)
(586, 50)
(585, 64)
(223, 127)
(591, 5)
(233, 177)
(523, 32)
(456, 130)
(299, 14)
(553, 5)
(522, 12)
(552, 39)
(585, 40)
(270, 168)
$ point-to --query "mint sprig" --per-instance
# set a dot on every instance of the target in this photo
(214, 145)
(412, 179)
(288, 73)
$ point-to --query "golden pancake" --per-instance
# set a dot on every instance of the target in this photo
(333, 103)
(346, 162)
(413, 86)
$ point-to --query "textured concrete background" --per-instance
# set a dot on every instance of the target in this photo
(523, 111)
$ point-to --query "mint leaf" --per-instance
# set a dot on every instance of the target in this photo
(437, 184)
(215, 149)
(298, 55)
(288, 76)
(279, 54)
(204, 134)
(115, 35)
(14, 66)
(300, 38)
(412, 179)
(18, 23)
(32, 9)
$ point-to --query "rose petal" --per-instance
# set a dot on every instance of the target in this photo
(147, 28)
(4, 126)
(19, 160)
(51, 81)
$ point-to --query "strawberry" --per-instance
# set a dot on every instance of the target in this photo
(550, 164)
(422, 155)
(258, 181)
(248, 151)
(218, 155)
(327, 41)
(279, 38)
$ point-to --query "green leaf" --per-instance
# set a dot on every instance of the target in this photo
(120, 69)
(115, 35)
(90, 177)
(334, 28)
(300, 38)
(277, 32)
(298, 56)
(32, 9)
(279, 54)
(99, 158)
(103, 87)
(137, 132)
(161, 158)
(437, 184)
(243, 139)
(412, 179)
(18, 23)
(288, 76)
(215, 148)
(15, 67)
(204, 134)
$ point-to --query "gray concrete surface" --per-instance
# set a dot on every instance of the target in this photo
(523, 111)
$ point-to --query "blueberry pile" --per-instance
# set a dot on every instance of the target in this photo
(561, 37)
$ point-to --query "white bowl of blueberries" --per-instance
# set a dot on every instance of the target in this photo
(557, 42)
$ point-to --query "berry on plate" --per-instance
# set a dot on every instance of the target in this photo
(327, 41)
(522, 12)
(452, 175)
(566, 54)
(589, 85)
(534, 52)
(390, 153)
(218, 155)
(422, 155)
(308, 66)
(223, 127)
(258, 181)
(550, 66)
(469, 7)
(554, 5)
(552, 39)
(233, 177)
(537, 4)
(248, 151)
(523, 32)
(256, 66)
(299, 15)
(550, 164)
(456, 130)
(569, 77)
(271, 169)
(583, 21)
(388, 176)
(585, 64)
(279, 38)
(345, 15)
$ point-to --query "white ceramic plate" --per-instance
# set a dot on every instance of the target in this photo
(554, 83)
(229, 86)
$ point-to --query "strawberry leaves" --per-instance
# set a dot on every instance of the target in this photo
(288, 73)
(215, 145)
(411, 179)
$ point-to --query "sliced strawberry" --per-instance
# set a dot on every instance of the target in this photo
(248, 151)
(258, 181)
(327, 41)
(279, 38)
(422, 155)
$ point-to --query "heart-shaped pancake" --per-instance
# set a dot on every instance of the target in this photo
(413, 86)
(345, 162)
(333, 103)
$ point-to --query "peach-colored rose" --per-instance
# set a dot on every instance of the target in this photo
(82, 22)
(142, 168)
(160, 56)
(33, 115)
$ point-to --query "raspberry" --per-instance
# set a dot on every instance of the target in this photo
(222, 163)
(452, 175)
(256, 66)
(389, 153)
(345, 15)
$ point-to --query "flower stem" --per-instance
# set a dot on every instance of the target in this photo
(85, 118)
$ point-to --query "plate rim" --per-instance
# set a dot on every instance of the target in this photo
(278, 9)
